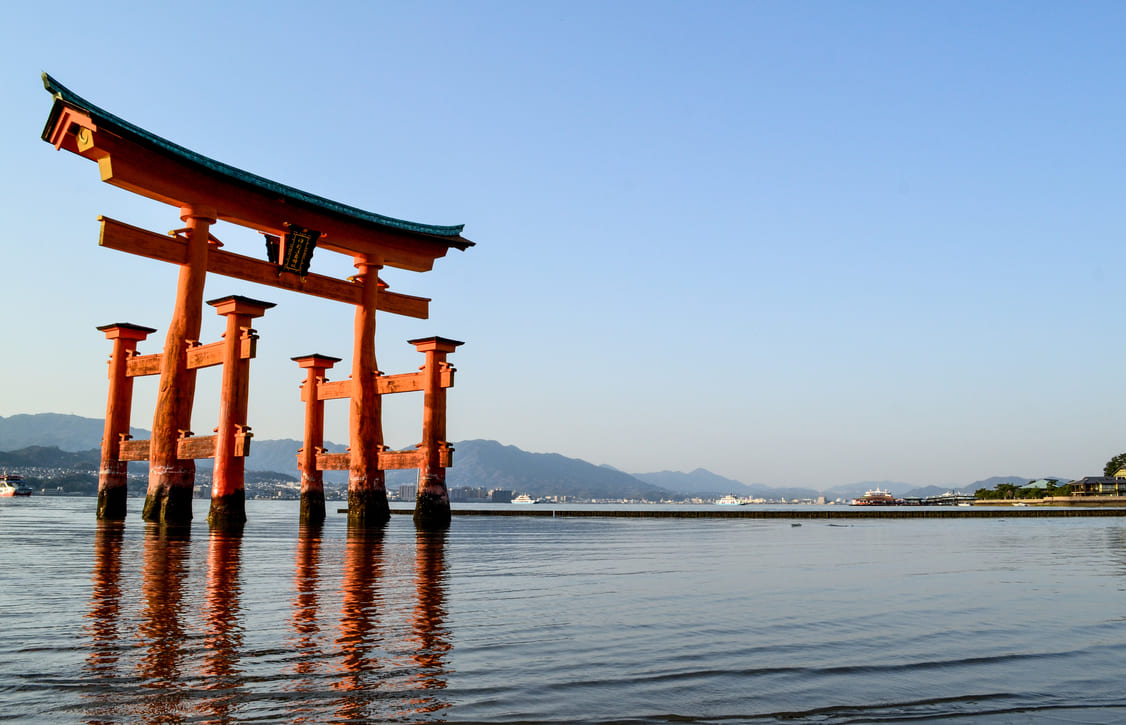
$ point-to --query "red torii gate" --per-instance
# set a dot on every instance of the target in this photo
(295, 223)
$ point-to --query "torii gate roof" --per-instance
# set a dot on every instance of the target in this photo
(135, 159)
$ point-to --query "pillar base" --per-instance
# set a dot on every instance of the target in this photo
(368, 509)
(312, 508)
(112, 503)
(169, 506)
(431, 512)
(228, 512)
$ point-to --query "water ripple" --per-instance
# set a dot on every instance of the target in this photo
(555, 620)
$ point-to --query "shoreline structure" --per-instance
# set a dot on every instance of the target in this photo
(889, 512)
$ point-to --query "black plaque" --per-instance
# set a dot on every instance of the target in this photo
(297, 249)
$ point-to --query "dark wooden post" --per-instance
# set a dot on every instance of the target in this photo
(432, 505)
(367, 488)
(171, 480)
(312, 480)
(113, 475)
(232, 439)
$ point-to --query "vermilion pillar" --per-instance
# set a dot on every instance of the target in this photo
(171, 480)
(367, 489)
(432, 506)
(113, 474)
(228, 494)
(312, 480)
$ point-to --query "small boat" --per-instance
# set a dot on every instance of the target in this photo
(13, 485)
(523, 498)
(877, 497)
(729, 500)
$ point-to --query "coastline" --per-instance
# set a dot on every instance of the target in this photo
(884, 512)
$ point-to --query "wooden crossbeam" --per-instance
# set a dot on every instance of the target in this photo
(333, 461)
(385, 385)
(402, 383)
(388, 460)
(200, 356)
(134, 240)
(186, 448)
(335, 390)
(147, 172)
(205, 356)
(133, 451)
(140, 365)
(196, 447)
(399, 460)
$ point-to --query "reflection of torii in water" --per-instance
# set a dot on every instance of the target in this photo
(428, 621)
(295, 224)
(371, 682)
(383, 653)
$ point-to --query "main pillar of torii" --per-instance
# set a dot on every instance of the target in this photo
(295, 223)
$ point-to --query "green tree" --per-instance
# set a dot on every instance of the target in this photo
(1114, 464)
(1007, 490)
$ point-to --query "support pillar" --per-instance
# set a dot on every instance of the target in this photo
(113, 474)
(432, 506)
(367, 488)
(171, 480)
(232, 436)
(312, 511)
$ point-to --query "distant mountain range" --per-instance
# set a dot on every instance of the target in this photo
(66, 432)
(56, 440)
(701, 482)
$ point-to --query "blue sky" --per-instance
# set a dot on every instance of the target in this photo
(792, 243)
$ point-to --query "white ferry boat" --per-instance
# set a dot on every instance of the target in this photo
(877, 497)
(729, 500)
(523, 498)
(13, 485)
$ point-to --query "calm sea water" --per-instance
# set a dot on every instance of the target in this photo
(508, 620)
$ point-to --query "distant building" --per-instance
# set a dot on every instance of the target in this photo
(408, 492)
(465, 494)
(500, 495)
(1099, 486)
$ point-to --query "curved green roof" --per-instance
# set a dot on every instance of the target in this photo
(125, 129)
